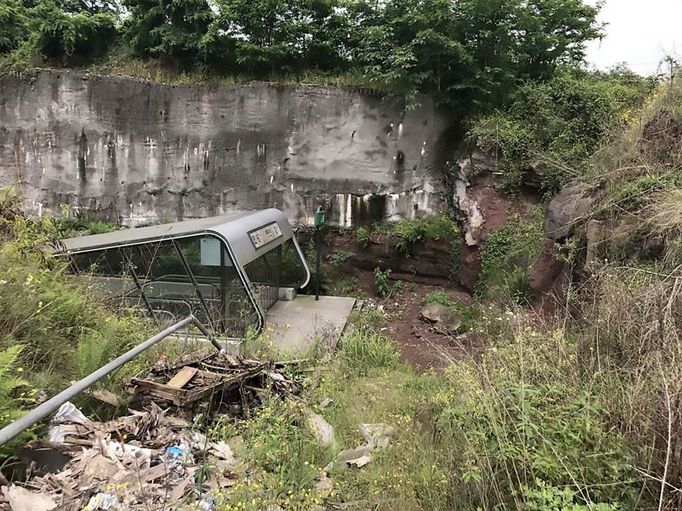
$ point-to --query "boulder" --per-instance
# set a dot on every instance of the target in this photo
(595, 240)
(547, 267)
(566, 209)
(442, 316)
(469, 269)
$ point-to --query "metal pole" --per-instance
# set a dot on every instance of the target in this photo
(317, 264)
(51, 405)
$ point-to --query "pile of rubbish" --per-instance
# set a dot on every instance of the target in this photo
(154, 458)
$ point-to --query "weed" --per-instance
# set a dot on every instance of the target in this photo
(364, 351)
(363, 236)
(399, 286)
(382, 283)
(506, 257)
(15, 393)
(340, 257)
(409, 233)
(347, 286)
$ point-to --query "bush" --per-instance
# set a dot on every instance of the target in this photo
(340, 257)
(70, 38)
(382, 283)
(363, 236)
(12, 399)
(525, 413)
(506, 258)
(13, 23)
(42, 307)
(554, 127)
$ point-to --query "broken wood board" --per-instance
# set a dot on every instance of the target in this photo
(182, 377)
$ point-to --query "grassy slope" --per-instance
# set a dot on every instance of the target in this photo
(571, 412)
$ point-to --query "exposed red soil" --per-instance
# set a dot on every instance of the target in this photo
(423, 346)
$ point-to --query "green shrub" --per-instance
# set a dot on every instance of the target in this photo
(347, 285)
(13, 21)
(526, 412)
(363, 236)
(409, 233)
(382, 283)
(555, 126)
(14, 393)
(631, 195)
(543, 497)
(340, 257)
(56, 34)
(506, 258)
(43, 307)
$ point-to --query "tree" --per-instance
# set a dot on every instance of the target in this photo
(269, 36)
(12, 25)
(473, 52)
(172, 30)
(71, 38)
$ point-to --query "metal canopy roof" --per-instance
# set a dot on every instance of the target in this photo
(234, 229)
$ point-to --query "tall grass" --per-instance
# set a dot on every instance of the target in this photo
(61, 329)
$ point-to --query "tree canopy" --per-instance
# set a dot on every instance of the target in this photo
(465, 53)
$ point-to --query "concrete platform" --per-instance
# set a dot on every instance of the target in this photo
(298, 325)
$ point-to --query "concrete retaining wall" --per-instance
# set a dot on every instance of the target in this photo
(145, 152)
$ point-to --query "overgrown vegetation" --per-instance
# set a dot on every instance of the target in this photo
(468, 54)
(548, 133)
(506, 258)
(52, 329)
(405, 234)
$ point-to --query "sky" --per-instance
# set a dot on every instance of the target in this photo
(638, 32)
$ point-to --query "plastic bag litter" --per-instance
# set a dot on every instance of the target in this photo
(103, 501)
(68, 413)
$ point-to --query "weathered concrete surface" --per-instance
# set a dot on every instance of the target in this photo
(148, 152)
(296, 327)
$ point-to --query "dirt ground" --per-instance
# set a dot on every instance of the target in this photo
(422, 346)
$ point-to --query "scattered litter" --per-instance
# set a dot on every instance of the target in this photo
(106, 396)
(208, 503)
(103, 501)
(202, 376)
(358, 457)
(65, 422)
(21, 499)
(175, 451)
(323, 431)
(377, 435)
(151, 458)
(361, 461)
(223, 451)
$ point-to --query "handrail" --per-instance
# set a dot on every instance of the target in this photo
(51, 405)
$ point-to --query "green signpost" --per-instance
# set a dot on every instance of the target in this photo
(320, 220)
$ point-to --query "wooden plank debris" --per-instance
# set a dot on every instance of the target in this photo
(183, 377)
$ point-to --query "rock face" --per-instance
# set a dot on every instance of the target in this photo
(443, 317)
(546, 269)
(569, 206)
(146, 152)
